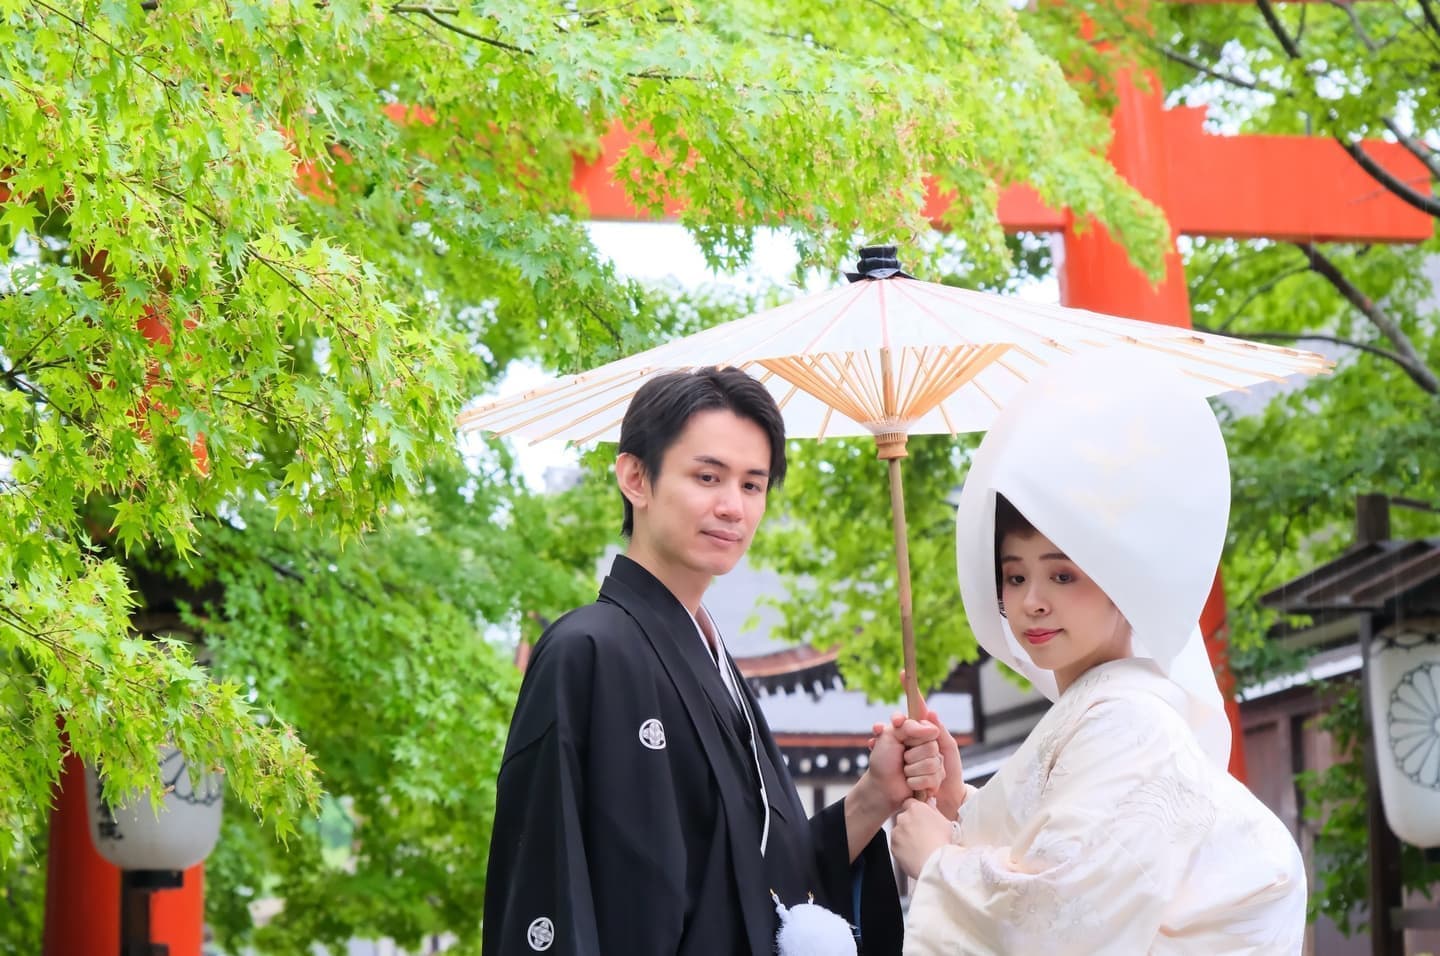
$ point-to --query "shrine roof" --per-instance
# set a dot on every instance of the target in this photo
(1372, 577)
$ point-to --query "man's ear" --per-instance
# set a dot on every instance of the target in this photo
(630, 476)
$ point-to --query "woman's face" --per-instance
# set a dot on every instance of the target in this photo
(1058, 615)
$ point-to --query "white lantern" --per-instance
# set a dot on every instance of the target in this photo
(1404, 686)
(178, 836)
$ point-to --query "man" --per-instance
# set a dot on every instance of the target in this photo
(643, 806)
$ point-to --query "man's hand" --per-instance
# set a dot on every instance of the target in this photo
(950, 792)
(919, 831)
(905, 759)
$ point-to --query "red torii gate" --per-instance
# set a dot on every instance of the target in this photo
(1294, 188)
(1277, 187)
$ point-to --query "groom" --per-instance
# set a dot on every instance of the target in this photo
(643, 806)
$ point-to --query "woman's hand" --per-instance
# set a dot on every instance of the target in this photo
(919, 832)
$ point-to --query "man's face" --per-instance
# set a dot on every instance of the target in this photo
(698, 516)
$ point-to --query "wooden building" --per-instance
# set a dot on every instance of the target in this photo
(1376, 583)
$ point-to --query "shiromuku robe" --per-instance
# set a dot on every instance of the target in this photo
(1111, 832)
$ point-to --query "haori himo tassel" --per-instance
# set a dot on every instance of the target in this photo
(811, 930)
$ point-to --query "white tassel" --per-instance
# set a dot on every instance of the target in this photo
(811, 930)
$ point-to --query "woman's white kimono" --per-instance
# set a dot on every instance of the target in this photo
(1115, 828)
(1111, 831)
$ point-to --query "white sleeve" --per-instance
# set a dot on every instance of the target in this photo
(1093, 868)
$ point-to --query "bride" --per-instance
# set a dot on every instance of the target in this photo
(1089, 530)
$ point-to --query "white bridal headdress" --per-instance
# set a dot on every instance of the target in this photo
(1120, 463)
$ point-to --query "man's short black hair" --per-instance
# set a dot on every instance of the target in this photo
(663, 406)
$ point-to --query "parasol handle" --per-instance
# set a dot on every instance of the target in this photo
(893, 451)
(913, 702)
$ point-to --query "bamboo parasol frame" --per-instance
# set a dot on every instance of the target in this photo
(888, 356)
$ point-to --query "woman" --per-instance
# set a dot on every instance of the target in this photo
(1089, 529)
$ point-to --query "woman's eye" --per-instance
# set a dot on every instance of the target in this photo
(1064, 577)
(1015, 580)
(707, 477)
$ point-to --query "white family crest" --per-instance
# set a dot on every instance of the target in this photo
(541, 934)
(652, 734)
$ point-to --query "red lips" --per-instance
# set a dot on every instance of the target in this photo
(1039, 635)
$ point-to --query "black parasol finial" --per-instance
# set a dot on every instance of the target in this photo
(877, 262)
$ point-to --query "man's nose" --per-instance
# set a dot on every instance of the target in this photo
(727, 502)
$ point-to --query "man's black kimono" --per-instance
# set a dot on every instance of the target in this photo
(628, 818)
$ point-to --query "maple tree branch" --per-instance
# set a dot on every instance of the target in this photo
(15, 381)
(58, 647)
(1185, 59)
(1413, 504)
(902, 15)
(1417, 147)
(1264, 578)
(604, 324)
(1430, 16)
(1300, 508)
(433, 14)
(84, 27)
(1272, 20)
(1412, 363)
(598, 12)
(1426, 204)
(1235, 258)
(1204, 280)
(1310, 337)
(1258, 291)
(1355, 24)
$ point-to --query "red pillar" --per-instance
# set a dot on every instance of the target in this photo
(1096, 273)
(177, 917)
(82, 889)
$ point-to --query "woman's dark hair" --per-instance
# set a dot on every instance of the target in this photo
(663, 406)
(1008, 520)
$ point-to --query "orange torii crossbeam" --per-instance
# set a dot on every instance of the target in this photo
(1299, 188)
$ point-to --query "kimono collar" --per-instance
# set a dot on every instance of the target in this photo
(650, 590)
(1121, 464)
(669, 627)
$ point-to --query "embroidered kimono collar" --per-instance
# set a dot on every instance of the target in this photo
(1121, 464)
